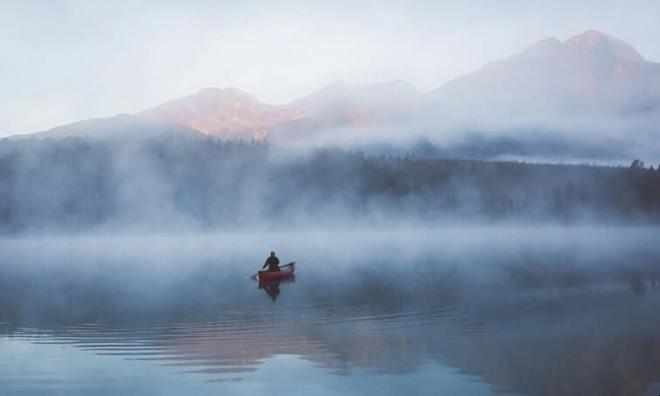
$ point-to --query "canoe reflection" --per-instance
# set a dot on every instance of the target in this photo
(272, 287)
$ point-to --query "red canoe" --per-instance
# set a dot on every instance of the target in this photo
(275, 275)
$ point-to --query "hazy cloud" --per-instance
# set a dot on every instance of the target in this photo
(67, 60)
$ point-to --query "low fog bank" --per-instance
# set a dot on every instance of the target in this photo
(597, 138)
(180, 183)
(198, 276)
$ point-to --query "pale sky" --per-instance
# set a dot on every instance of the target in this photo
(62, 61)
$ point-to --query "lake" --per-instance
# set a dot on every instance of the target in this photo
(473, 310)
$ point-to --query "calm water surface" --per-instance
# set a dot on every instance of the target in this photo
(478, 311)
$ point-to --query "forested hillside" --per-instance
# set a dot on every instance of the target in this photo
(174, 182)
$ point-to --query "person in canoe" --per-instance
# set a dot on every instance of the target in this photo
(272, 262)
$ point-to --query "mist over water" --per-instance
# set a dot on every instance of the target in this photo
(467, 197)
(125, 264)
(472, 309)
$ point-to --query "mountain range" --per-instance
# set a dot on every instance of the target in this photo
(588, 75)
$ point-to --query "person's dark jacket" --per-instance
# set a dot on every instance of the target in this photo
(273, 264)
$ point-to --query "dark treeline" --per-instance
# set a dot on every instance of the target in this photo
(189, 181)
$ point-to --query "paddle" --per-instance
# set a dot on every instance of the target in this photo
(253, 276)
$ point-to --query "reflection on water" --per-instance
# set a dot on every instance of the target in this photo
(537, 321)
(272, 287)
